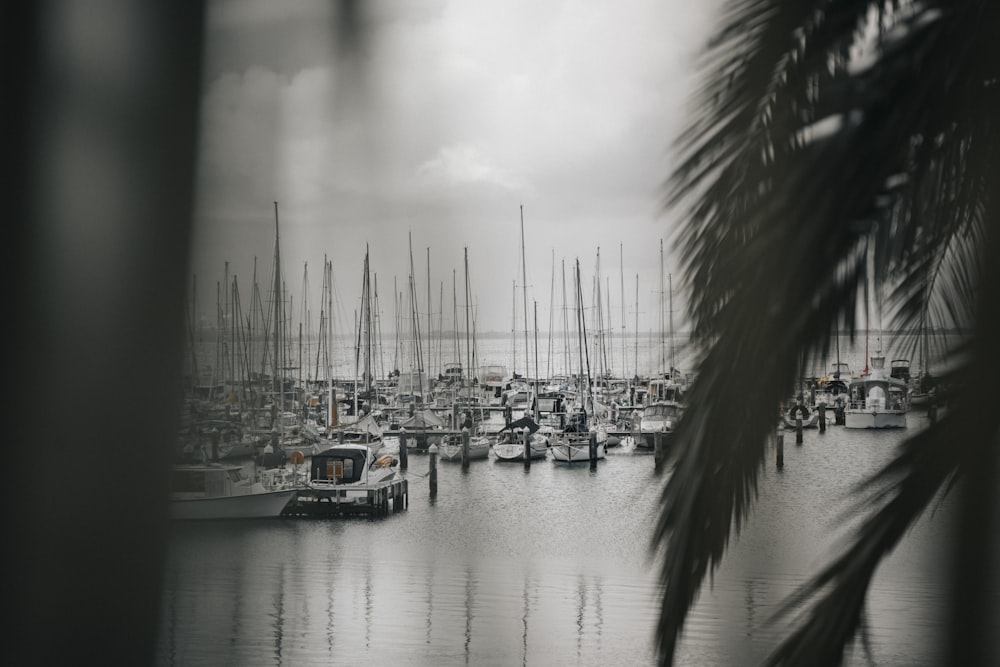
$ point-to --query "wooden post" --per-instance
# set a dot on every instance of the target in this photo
(593, 451)
(432, 471)
(658, 451)
(780, 437)
(798, 430)
(822, 416)
(402, 451)
(340, 437)
(465, 449)
(527, 448)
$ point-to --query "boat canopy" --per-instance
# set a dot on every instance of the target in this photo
(339, 464)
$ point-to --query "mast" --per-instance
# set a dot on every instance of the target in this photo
(621, 276)
(524, 280)
(534, 392)
(670, 284)
(277, 385)
(663, 353)
(637, 325)
(430, 348)
(583, 335)
(468, 348)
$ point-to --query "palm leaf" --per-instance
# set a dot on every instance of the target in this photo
(798, 165)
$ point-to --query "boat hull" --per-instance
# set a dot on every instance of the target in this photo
(573, 452)
(452, 452)
(265, 505)
(874, 419)
(514, 452)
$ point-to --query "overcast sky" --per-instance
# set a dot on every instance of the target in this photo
(454, 115)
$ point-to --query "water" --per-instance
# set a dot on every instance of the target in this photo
(547, 566)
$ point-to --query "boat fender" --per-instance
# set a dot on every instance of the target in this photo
(384, 461)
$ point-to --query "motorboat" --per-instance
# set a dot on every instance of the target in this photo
(350, 470)
(222, 491)
(877, 400)
(657, 419)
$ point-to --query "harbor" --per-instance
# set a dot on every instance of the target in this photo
(539, 565)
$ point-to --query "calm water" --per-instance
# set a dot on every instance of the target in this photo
(547, 566)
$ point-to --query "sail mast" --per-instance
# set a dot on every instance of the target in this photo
(524, 280)
(277, 388)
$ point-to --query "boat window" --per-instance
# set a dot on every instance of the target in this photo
(876, 397)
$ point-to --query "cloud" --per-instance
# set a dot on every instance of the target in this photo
(464, 164)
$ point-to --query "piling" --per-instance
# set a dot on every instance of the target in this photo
(432, 471)
(780, 442)
(340, 437)
(798, 431)
(527, 448)
(658, 453)
(822, 417)
(593, 451)
(465, 449)
(402, 452)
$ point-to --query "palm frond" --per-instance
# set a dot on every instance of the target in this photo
(798, 163)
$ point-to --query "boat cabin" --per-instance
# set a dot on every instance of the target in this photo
(878, 394)
(339, 465)
(665, 411)
(664, 390)
(210, 480)
(900, 369)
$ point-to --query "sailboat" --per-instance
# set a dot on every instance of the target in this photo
(576, 441)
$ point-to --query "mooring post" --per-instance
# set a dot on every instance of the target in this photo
(780, 440)
(822, 416)
(432, 471)
(402, 451)
(593, 450)
(465, 449)
(658, 451)
(798, 430)
(527, 448)
(215, 443)
(340, 437)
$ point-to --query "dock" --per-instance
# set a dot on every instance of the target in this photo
(375, 500)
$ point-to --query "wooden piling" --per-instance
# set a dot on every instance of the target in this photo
(403, 463)
(798, 431)
(465, 449)
(822, 417)
(527, 448)
(432, 473)
(780, 443)
(593, 451)
(658, 453)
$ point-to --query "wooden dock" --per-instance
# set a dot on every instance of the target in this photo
(376, 500)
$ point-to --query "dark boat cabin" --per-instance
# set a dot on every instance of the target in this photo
(339, 466)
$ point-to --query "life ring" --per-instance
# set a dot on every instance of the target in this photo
(297, 458)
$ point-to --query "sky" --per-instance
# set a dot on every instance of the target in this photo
(432, 131)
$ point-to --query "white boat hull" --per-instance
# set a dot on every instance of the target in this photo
(572, 452)
(875, 419)
(248, 506)
(453, 452)
(514, 452)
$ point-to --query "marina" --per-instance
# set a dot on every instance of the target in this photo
(541, 565)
